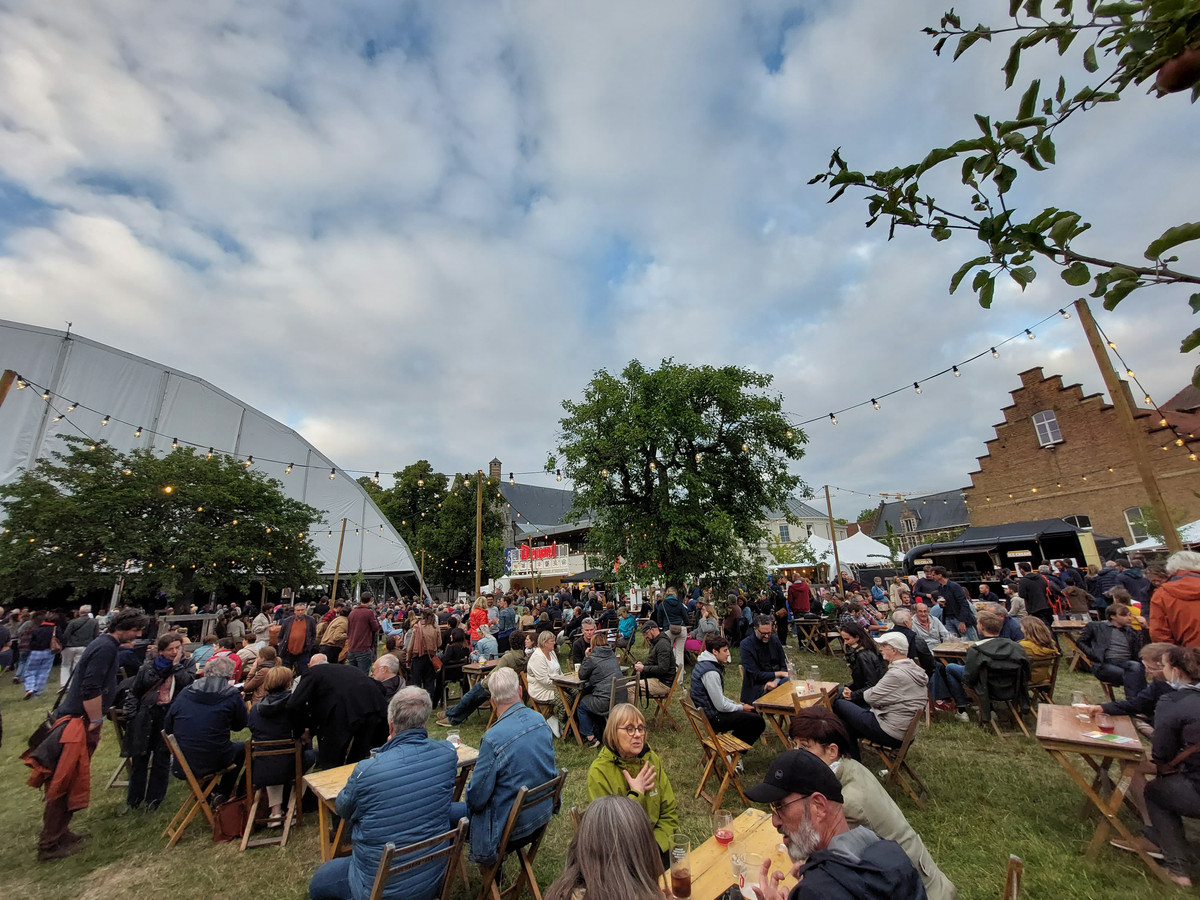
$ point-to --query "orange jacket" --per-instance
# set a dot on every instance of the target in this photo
(478, 617)
(72, 774)
(1175, 610)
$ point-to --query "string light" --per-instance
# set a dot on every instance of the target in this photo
(558, 473)
(45, 395)
(745, 447)
(105, 421)
(175, 444)
(20, 384)
(995, 355)
(1064, 314)
(603, 473)
(1029, 334)
(375, 480)
(138, 433)
(71, 408)
(1112, 345)
(917, 387)
(57, 418)
(168, 489)
(875, 403)
(957, 374)
(332, 474)
(833, 418)
(512, 481)
(288, 470)
(210, 453)
(249, 461)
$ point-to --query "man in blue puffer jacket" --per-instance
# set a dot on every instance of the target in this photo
(402, 795)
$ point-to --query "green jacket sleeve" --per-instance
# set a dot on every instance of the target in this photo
(668, 811)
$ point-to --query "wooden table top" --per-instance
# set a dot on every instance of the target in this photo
(953, 649)
(1069, 625)
(480, 667)
(1057, 728)
(567, 679)
(785, 699)
(328, 783)
(712, 872)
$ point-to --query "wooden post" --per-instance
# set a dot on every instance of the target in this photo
(478, 530)
(422, 565)
(1135, 438)
(337, 565)
(6, 382)
(833, 537)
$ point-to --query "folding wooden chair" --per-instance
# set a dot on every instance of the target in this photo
(830, 630)
(1009, 706)
(1012, 879)
(421, 854)
(197, 798)
(1108, 691)
(664, 703)
(619, 692)
(118, 721)
(1043, 692)
(260, 750)
(527, 850)
(896, 760)
(721, 754)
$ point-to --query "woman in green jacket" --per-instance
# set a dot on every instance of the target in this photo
(627, 767)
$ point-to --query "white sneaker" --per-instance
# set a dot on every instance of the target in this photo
(555, 726)
(740, 768)
(962, 717)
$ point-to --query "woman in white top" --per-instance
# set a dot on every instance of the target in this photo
(542, 666)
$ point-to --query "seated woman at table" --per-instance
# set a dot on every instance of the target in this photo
(862, 655)
(626, 766)
(708, 623)
(1175, 793)
(883, 713)
(268, 720)
(865, 801)
(1041, 648)
(612, 856)
(543, 666)
(486, 647)
(596, 672)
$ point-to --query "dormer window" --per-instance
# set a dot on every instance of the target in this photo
(1046, 425)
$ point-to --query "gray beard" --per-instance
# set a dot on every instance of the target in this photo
(803, 841)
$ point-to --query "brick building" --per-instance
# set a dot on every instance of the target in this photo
(1060, 454)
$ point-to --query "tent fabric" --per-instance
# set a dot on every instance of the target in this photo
(177, 405)
(862, 549)
(1188, 534)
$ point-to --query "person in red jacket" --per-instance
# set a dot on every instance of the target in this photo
(799, 597)
(1175, 613)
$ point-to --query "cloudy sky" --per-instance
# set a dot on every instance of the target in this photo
(410, 230)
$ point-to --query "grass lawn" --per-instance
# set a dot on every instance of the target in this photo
(990, 798)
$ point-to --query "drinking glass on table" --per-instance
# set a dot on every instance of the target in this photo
(681, 867)
(454, 739)
(1105, 723)
(752, 871)
(1080, 703)
(722, 822)
(814, 678)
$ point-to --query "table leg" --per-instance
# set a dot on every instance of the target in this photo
(323, 824)
(1109, 809)
(572, 728)
(777, 722)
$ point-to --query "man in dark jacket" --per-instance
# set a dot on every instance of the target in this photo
(926, 588)
(996, 668)
(202, 717)
(1113, 647)
(80, 632)
(763, 660)
(958, 614)
(831, 858)
(1034, 590)
(362, 634)
(342, 708)
(918, 650)
(659, 669)
(297, 638)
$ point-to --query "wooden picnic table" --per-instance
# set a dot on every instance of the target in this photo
(1070, 630)
(1062, 735)
(779, 704)
(476, 671)
(952, 651)
(712, 870)
(328, 783)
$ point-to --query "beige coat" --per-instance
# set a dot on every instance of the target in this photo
(865, 802)
(901, 693)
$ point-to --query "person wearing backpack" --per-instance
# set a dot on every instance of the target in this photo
(1036, 591)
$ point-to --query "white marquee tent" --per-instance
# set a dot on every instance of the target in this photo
(862, 549)
(168, 404)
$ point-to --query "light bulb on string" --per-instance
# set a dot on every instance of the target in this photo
(332, 474)
(745, 448)
(1029, 334)
(20, 384)
(1129, 373)
(45, 395)
(875, 403)
(833, 418)
(288, 470)
(138, 433)
(1064, 314)
(105, 421)
(375, 480)
(1178, 442)
(995, 355)
(511, 480)
(957, 374)
(249, 461)
(558, 473)
(57, 418)
(1162, 423)
(604, 473)
(917, 387)
(175, 443)
(1149, 402)
(71, 407)
(789, 434)
(420, 482)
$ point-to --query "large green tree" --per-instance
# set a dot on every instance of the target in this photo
(1121, 45)
(676, 466)
(436, 514)
(180, 524)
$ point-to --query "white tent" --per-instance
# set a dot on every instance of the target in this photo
(1188, 534)
(168, 405)
(862, 549)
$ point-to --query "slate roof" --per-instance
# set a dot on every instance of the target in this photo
(541, 506)
(935, 512)
(797, 508)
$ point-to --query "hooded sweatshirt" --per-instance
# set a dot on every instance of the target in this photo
(201, 718)
(898, 696)
(1175, 618)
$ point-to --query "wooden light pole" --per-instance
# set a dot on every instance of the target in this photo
(337, 566)
(6, 382)
(478, 530)
(833, 537)
(1134, 437)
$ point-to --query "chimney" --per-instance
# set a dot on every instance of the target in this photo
(494, 469)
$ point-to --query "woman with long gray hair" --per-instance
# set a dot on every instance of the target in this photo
(613, 855)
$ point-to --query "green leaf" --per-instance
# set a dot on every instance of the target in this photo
(985, 124)
(937, 155)
(1045, 148)
(1105, 10)
(986, 292)
(980, 279)
(1023, 275)
(1030, 157)
(1119, 292)
(1061, 231)
(1014, 7)
(1191, 342)
(1033, 8)
(965, 42)
(964, 269)
(1013, 63)
(1194, 303)
(1089, 59)
(1004, 178)
(1014, 140)
(1062, 89)
(1029, 99)
(940, 233)
(1140, 41)
(1076, 274)
(1172, 237)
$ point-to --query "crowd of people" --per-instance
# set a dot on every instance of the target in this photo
(316, 674)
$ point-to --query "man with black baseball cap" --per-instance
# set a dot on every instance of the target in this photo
(832, 860)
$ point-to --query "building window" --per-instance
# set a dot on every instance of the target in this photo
(1046, 425)
(1084, 522)
(908, 524)
(1137, 525)
(785, 534)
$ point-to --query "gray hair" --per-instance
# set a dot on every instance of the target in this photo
(902, 617)
(85, 610)
(1183, 561)
(485, 631)
(588, 621)
(219, 667)
(409, 708)
(390, 662)
(504, 687)
(997, 608)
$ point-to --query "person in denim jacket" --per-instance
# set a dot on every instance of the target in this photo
(516, 752)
